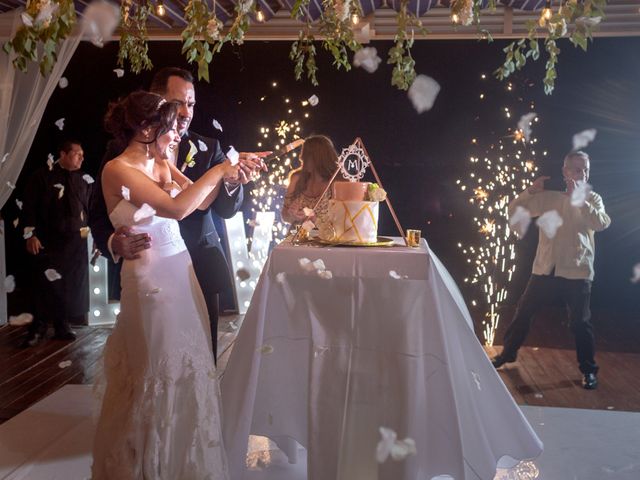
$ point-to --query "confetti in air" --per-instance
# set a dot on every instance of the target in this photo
(144, 212)
(636, 273)
(16, 222)
(584, 138)
(52, 275)
(19, 204)
(396, 275)
(50, 162)
(60, 123)
(9, 284)
(281, 277)
(389, 445)
(63, 83)
(99, 20)
(367, 58)
(580, 194)
(88, 178)
(520, 221)
(217, 125)
(64, 364)
(11, 185)
(20, 320)
(119, 72)
(423, 93)
(27, 232)
(549, 222)
(60, 188)
(524, 124)
(308, 212)
(313, 100)
(202, 146)
(126, 194)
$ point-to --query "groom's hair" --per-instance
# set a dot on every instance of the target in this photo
(161, 78)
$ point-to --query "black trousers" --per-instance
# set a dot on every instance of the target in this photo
(541, 291)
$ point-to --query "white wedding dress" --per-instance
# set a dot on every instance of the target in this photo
(160, 415)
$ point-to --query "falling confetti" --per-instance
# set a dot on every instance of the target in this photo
(216, 125)
(308, 225)
(580, 193)
(61, 189)
(520, 221)
(60, 123)
(281, 277)
(389, 445)
(476, 378)
(636, 273)
(233, 156)
(423, 93)
(11, 185)
(52, 275)
(549, 222)
(4, 158)
(99, 21)
(20, 320)
(119, 72)
(202, 146)
(63, 82)
(9, 284)
(126, 194)
(524, 124)
(145, 211)
(50, 162)
(308, 212)
(584, 138)
(16, 222)
(367, 58)
(396, 275)
(313, 100)
(88, 178)
(65, 364)
(19, 204)
(27, 232)
(325, 274)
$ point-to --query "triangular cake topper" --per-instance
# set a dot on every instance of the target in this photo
(353, 162)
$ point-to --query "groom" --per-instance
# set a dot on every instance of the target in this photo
(196, 154)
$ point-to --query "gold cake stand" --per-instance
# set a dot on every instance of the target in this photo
(380, 242)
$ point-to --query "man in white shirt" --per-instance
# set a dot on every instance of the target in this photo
(563, 266)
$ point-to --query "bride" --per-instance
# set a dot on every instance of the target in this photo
(160, 415)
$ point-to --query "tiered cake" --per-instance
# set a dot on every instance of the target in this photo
(351, 216)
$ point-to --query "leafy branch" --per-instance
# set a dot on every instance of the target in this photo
(134, 45)
(45, 24)
(303, 54)
(335, 27)
(404, 72)
(201, 38)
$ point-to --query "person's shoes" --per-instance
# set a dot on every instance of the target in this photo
(67, 335)
(500, 360)
(590, 381)
(32, 340)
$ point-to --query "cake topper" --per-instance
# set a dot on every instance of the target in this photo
(353, 162)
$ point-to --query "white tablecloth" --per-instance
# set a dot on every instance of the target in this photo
(328, 361)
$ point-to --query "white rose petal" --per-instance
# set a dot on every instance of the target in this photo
(26, 19)
(145, 211)
(584, 138)
(88, 178)
(588, 21)
(423, 93)
(19, 204)
(46, 13)
(61, 191)
(11, 185)
(550, 222)
(520, 221)
(476, 378)
(308, 225)
(27, 232)
(636, 273)
(16, 222)
(126, 194)
(99, 20)
(367, 58)
(9, 284)
(50, 162)
(396, 275)
(306, 264)
(65, 364)
(401, 449)
(4, 158)
(60, 123)
(119, 72)
(20, 320)
(52, 275)
(313, 100)
(318, 264)
(308, 212)
(202, 146)
(63, 82)
(580, 193)
(233, 156)
(524, 124)
(325, 274)
(281, 277)
(216, 125)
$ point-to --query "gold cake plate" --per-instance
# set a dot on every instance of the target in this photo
(380, 242)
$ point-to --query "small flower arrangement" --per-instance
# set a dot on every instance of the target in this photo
(375, 193)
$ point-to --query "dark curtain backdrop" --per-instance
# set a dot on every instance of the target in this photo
(419, 157)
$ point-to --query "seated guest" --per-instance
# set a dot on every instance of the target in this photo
(306, 184)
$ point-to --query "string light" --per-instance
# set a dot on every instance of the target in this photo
(160, 10)
(355, 18)
(259, 14)
(546, 14)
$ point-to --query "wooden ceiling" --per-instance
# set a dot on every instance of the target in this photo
(379, 19)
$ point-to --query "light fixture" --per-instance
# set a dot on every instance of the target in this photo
(160, 10)
(547, 13)
(355, 18)
(455, 18)
(259, 14)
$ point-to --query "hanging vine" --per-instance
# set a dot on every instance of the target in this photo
(134, 45)
(404, 66)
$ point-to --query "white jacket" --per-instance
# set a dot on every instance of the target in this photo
(572, 249)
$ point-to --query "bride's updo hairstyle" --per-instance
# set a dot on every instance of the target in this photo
(137, 111)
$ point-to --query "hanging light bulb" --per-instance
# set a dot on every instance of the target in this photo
(160, 10)
(455, 18)
(355, 18)
(547, 13)
(259, 14)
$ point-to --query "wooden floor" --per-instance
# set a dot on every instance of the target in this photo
(545, 374)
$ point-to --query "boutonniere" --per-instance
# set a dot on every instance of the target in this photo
(189, 161)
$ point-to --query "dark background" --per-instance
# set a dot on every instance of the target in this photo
(419, 157)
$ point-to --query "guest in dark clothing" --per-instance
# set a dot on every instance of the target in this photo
(55, 214)
(195, 155)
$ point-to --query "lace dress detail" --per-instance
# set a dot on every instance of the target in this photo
(295, 203)
(160, 415)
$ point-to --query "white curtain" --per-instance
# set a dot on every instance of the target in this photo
(23, 99)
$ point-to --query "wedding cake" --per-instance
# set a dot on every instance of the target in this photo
(353, 213)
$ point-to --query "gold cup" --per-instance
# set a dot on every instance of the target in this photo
(413, 237)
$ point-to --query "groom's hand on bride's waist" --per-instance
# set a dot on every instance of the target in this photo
(127, 244)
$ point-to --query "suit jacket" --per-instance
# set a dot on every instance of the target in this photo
(198, 229)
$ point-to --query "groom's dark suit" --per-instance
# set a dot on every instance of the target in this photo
(198, 230)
